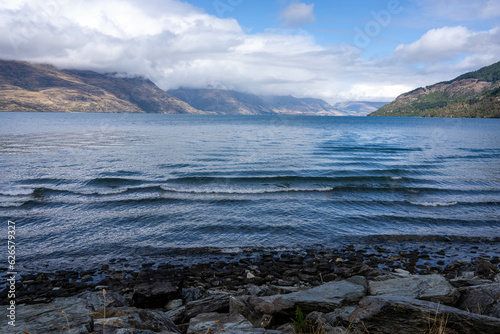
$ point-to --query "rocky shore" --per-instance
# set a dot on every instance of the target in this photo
(353, 289)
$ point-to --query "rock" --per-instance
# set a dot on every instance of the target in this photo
(48, 318)
(218, 302)
(215, 322)
(173, 304)
(177, 315)
(393, 314)
(485, 268)
(190, 294)
(430, 287)
(464, 282)
(131, 317)
(326, 297)
(482, 299)
(95, 300)
(154, 289)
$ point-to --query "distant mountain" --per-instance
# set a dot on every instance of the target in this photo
(358, 108)
(34, 87)
(219, 101)
(473, 94)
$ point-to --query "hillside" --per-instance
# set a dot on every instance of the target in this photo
(473, 94)
(34, 87)
(232, 102)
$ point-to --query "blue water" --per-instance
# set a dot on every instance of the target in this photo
(91, 187)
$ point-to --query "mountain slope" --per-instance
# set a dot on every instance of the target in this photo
(232, 102)
(473, 94)
(35, 87)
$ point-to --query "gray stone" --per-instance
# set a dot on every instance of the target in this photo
(394, 314)
(131, 317)
(154, 289)
(464, 282)
(429, 287)
(48, 318)
(190, 294)
(173, 304)
(95, 299)
(482, 299)
(218, 302)
(216, 322)
(177, 315)
(324, 298)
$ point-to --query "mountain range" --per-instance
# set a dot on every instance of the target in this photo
(473, 94)
(26, 86)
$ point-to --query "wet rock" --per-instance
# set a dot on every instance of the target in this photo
(392, 314)
(482, 299)
(215, 322)
(154, 289)
(48, 318)
(430, 287)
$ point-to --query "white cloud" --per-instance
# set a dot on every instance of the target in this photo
(460, 10)
(175, 44)
(449, 44)
(297, 14)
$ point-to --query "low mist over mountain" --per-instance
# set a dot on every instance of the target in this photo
(34, 87)
(473, 94)
(358, 108)
(231, 102)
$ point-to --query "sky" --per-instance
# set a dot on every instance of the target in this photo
(336, 50)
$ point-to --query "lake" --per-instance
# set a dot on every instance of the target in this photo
(87, 188)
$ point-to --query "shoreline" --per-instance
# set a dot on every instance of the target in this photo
(270, 273)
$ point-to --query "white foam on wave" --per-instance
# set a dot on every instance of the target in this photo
(16, 192)
(247, 191)
(11, 204)
(434, 204)
(396, 177)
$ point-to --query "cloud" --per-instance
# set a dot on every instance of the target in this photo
(176, 44)
(460, 10)
(297, 14)
(451, 43)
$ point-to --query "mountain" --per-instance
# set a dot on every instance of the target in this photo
(358, 108)
(35, 87)
(219, 101)
(473, 94)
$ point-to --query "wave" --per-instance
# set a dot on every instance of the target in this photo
(114, 182)
(437, 204)
(17, 191)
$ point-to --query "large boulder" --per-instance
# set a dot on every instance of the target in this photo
(216, 302)
(482, 299)
(130, 317)
(393, 314)
(48, 318)
(324, 298)
(154, 289)
(433, 288)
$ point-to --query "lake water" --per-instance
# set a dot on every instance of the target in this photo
(86, 188)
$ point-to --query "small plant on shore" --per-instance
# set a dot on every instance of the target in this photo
(437, 324)
(67, 322)
(299, 321)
